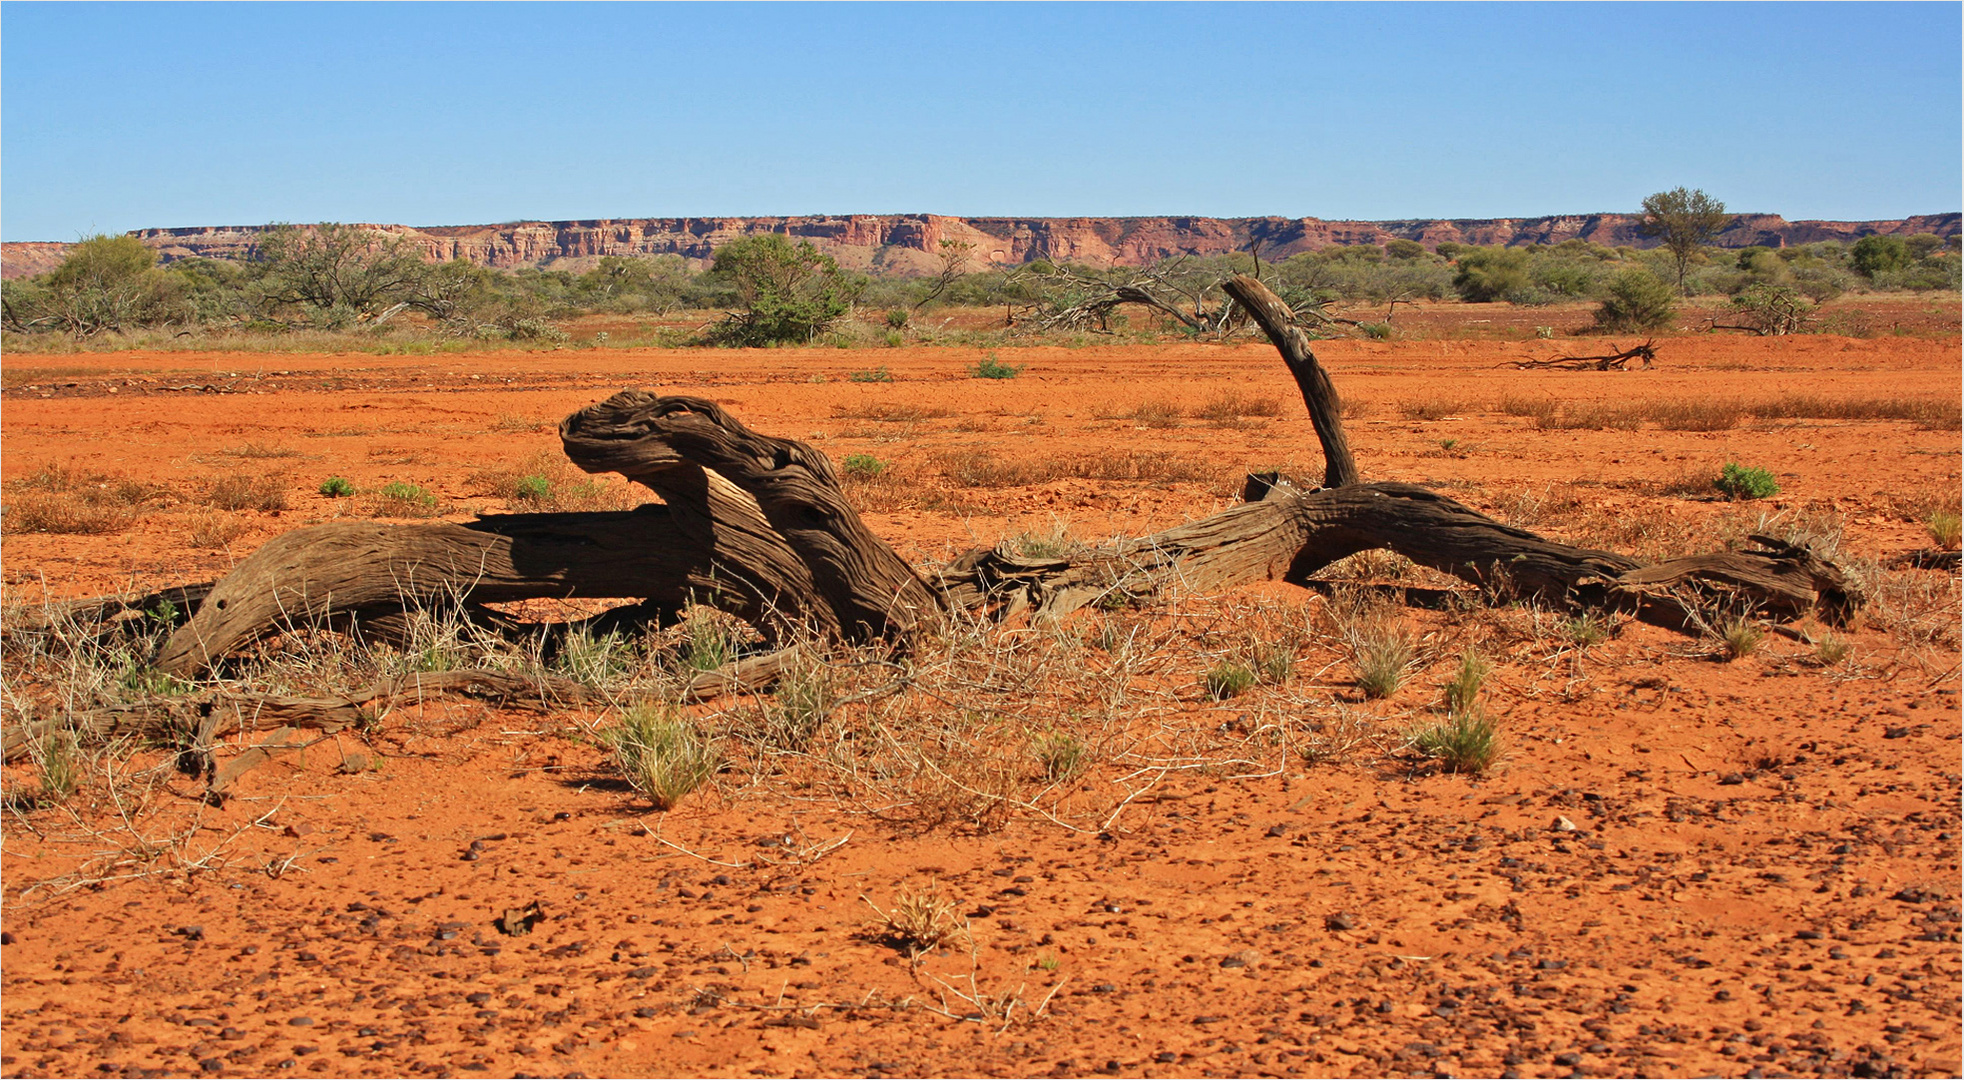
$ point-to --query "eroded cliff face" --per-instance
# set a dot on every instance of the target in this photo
(911, 243)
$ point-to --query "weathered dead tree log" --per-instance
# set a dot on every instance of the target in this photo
(1610, 362)
(758, 526)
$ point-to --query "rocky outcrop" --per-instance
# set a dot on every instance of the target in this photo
(910, 243)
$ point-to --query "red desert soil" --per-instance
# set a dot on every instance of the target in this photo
(1680, 867)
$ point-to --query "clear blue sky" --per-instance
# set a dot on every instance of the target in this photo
(116, 117)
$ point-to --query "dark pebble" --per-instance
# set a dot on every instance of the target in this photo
(211, 1064)
(301, 1021)
(1569, 1060)
(1233, 962)
(1342, 920)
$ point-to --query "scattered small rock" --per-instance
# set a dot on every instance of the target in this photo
(1562, 824)
(299, 828)
(1341, 920)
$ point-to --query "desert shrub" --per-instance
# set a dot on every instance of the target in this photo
(1229, 678)
(1873, 256)
(661, 754)
(337, 487)
(861, 466)
(920, 921)
(1405, 249)
(1229, 407)
(789, 293)
(214, 530)
(1739, 637)
(1376, 331)
(1157, 414)
(1635, 300)
(897, 318)
(401, 499)
(1772, 310)
(1062, 755)
(1487, 274)
(246, 493)
(532, 488)
(991, 367)
(1459, 743)
(64, 500)
(1944, 528)
(1381, 651)
(1742, 482)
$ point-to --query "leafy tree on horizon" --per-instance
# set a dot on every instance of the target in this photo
(1683, 219)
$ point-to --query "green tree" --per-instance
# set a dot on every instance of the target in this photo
(788, 293)
(343, 272)
(1406, 249)
(1683, 220)
(105, 283)
(1487, 274)
(1879, 254)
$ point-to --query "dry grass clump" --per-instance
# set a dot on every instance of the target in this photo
(661, 754)
(546, 481)
(920, 920)
(215, 530)
(1933, 415)
(1159, 413)
(260, 451)
(1229, 409)
(67, 500)
(985, 470)
(890, 413)
(237, 492)
(1432, 408)
(1465, 740)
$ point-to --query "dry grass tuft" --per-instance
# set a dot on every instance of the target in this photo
(661, 754)
(888, 413)
(215, 530)
(1229, 409)
(986, 470)
(267, 493)
(546, 481)
(920, 921)
(1157, 414)
(67, 500)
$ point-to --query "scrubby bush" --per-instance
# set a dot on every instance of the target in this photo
(1487, 274)
(790, 294)
(1745, 482)
(1635, 300)
(337, 487)
(1873, 255)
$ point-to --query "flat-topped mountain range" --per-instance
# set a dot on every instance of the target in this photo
(911, 243)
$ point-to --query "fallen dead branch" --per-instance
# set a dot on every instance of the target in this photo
(1610, 362)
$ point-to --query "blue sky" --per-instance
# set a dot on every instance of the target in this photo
(116, 117)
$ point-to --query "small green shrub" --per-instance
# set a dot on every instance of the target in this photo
(1062, 756)
(399, 499)
(337, 487)
(1376, 331)
(992, 367)
(1586, 629)
(708, 642)
(878, 374)
(534, 489)
(862, 466)
(1461, 743)
(1228, 679)
(661, 755)
(1636, 300)
(897, 318)
(1742, 482)
(799, 705)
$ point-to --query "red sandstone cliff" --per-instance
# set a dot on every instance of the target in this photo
(906, 243)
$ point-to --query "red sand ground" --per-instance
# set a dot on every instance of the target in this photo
(1763, 878)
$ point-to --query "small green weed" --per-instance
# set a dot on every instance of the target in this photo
(399, 499)
(1744, 482)
(876, 375)
(1463, 690)
(1586, 629)
(534, 489)
(992, 367)
(1461, 743)
(337, 487)
(1227, 679)
(862, 466)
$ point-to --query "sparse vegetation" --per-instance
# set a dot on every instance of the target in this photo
(920, 921)
(1228, 679)
(1742, 482)
(992, 367)
(861, 467)
(1381, 652)
(871, 375)
(337, 487)
(1739, 637)
(661, 754)
(398, 498)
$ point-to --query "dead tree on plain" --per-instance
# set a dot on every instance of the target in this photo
(759, 527)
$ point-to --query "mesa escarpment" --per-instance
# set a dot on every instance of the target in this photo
(910, 243)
